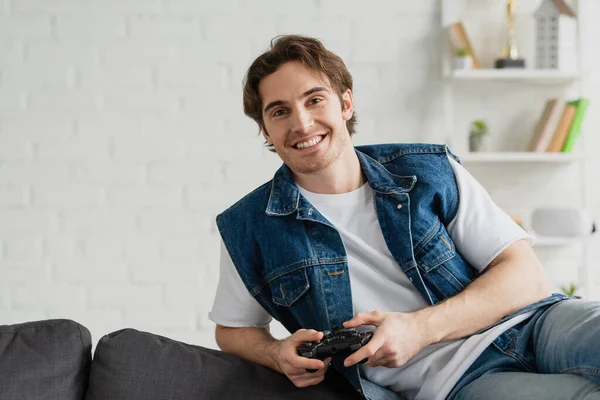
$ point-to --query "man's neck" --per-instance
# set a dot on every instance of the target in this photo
(342, 176)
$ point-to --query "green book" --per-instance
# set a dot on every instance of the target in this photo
(575, 129)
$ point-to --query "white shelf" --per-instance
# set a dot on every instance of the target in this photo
(518, 157)
(518, 75)
(475, 84)
(541, 241)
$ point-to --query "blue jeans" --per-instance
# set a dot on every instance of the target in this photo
(553, 355)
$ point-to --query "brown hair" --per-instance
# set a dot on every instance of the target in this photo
(312, 54)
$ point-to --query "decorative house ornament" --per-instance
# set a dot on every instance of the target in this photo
(556, 36)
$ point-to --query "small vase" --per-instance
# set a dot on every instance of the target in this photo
(475, 143)
(465, 62)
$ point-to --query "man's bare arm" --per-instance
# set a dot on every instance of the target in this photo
(252, 344)
(514, 279)
(257, 345)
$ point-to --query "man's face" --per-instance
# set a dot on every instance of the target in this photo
(303, 118)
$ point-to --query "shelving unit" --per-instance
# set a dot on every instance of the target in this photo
(530, 76)
(504, 81)
(518, 157)
(541, 241)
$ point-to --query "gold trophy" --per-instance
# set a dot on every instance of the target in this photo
(510, 52)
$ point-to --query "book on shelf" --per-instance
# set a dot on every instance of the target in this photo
(562, 129)
(581, 105)
(460, 40)
(546, 125)
(558, 126)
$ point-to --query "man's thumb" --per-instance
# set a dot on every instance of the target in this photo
(307, 335)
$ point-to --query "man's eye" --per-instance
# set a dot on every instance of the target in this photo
(316, 100)
(278, 113)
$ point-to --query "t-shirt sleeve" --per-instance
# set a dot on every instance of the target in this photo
(480, 230)
(233, 305)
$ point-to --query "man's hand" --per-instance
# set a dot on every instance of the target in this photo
(295, 366)
(397, 339)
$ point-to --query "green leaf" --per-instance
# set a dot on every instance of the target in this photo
(570, 290)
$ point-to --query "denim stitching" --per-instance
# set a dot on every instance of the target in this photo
(321, 271)
(427, 267)
(311, 305)
(410, 266)
(427, 237)
(278, 213)
(581, 371)
(513, 354)
(378, 166)
(430, 150)
(452, 276)
(294, 267)
(303, 265)
(294, 300)
(326, 223)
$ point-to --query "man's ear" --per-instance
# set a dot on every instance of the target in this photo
(347, 105)
(265, 134)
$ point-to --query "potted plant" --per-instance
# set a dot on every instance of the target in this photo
(569, 290)
(463, 59)
(478, 130)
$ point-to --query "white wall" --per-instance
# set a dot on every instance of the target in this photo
(122, 136)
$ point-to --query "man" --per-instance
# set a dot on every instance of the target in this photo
(397, 237)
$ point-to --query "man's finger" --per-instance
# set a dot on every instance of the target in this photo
(376, 359)
(309, 381)
(371, 318)
(353, 323)
(304, 363)
(365, 352)
(304, 374)
(306, 335)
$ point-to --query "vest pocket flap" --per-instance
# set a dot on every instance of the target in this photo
(288, 288)
(438, 250)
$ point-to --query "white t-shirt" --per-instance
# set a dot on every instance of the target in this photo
(378, 283)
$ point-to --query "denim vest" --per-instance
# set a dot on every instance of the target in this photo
(293, 261)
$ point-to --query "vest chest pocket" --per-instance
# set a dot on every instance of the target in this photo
(436, 251)
(288, 288)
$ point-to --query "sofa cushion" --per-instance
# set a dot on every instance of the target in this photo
(44, 360)
(133, 365)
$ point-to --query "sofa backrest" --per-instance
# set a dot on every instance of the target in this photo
(51, 360)
(133, 365)
(44, 360)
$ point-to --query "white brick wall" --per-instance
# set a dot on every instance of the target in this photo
(122, 136)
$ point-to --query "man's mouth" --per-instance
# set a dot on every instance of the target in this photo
(309, 143)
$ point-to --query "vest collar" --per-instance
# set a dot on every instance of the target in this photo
(285, 196)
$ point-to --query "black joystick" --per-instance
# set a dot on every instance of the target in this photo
(343, 343)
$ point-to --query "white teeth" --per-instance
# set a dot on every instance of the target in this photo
(309, 143)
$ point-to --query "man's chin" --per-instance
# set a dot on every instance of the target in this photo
(306, 168)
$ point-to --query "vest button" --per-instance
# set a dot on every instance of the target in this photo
(399, 206)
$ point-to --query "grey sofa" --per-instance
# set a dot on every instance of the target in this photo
(52, 360)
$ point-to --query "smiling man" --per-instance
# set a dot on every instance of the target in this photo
(398, 238)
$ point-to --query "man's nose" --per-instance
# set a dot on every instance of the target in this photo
(301, 121)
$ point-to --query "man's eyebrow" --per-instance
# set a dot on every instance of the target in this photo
(314, 90)
(305, 94)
